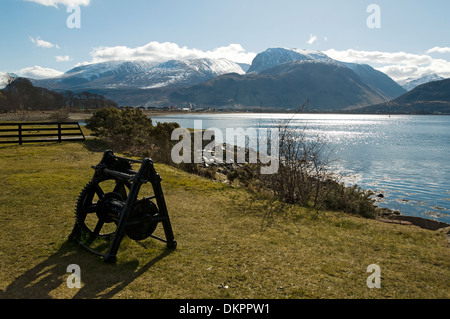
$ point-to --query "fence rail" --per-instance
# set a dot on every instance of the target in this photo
(35, 132)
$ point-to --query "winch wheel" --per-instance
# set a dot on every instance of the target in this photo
(90, 213)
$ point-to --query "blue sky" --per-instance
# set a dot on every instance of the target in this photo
(413, 38)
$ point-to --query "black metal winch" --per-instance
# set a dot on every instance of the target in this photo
(119, 211)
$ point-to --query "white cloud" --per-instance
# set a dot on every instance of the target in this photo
(439, 50)
(378, 57)
(312, 39)
(233, 52)
(398, 65)
(55, 3)
(38, 72)
(64, 58)
(43, 44)
(161, 52)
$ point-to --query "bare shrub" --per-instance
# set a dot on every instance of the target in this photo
(302, 167)
(304, 177)
(61, 115)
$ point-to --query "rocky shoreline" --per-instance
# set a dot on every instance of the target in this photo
(385, 215)
(389, 216)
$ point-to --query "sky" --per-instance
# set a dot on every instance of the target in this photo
(45, 38)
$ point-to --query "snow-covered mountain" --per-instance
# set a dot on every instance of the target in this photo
(184, 72)
(140, 74)
(275, 57)
(95, 71)
(411, 83)
(145, 83)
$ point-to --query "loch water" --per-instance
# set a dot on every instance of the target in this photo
(404, 157)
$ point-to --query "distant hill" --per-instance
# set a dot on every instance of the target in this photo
(23, 95)
(429, 98)
(377, 80)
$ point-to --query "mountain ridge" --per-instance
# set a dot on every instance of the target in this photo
(139, 74)
(285, 86)
(411, 83)
(429, 98)
(156, 84)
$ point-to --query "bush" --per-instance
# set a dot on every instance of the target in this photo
(161, 143)
(61, 115)
(302, 167)
(125, 130)
(350, 199)
(130, 130)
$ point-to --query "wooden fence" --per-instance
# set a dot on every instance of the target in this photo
(35, 132)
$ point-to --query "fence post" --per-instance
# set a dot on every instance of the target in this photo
(81, 131)
(59, 132)
(20, 134)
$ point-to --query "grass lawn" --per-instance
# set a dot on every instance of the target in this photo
(231, 243)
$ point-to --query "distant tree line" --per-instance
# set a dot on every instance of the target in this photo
(20, 95)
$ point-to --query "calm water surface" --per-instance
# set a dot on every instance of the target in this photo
(404, 157)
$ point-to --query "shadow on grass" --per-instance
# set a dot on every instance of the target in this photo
(99, 280)
(96, 145)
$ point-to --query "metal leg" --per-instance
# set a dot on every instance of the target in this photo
(111, 255)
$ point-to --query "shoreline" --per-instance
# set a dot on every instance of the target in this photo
(393, 216)
(83, 115)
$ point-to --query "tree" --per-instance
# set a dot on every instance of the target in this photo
(125, 130)
(3, 105)
(130, 130)
(10, 98)
(161, 142)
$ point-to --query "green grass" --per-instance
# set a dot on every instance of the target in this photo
(231, 243)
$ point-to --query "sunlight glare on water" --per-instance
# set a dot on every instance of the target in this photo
(404, 157)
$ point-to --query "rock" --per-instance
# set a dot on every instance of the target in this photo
(392, 217)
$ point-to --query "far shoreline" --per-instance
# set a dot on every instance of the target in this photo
(82, 115)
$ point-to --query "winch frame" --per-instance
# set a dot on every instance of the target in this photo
(119, 168)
